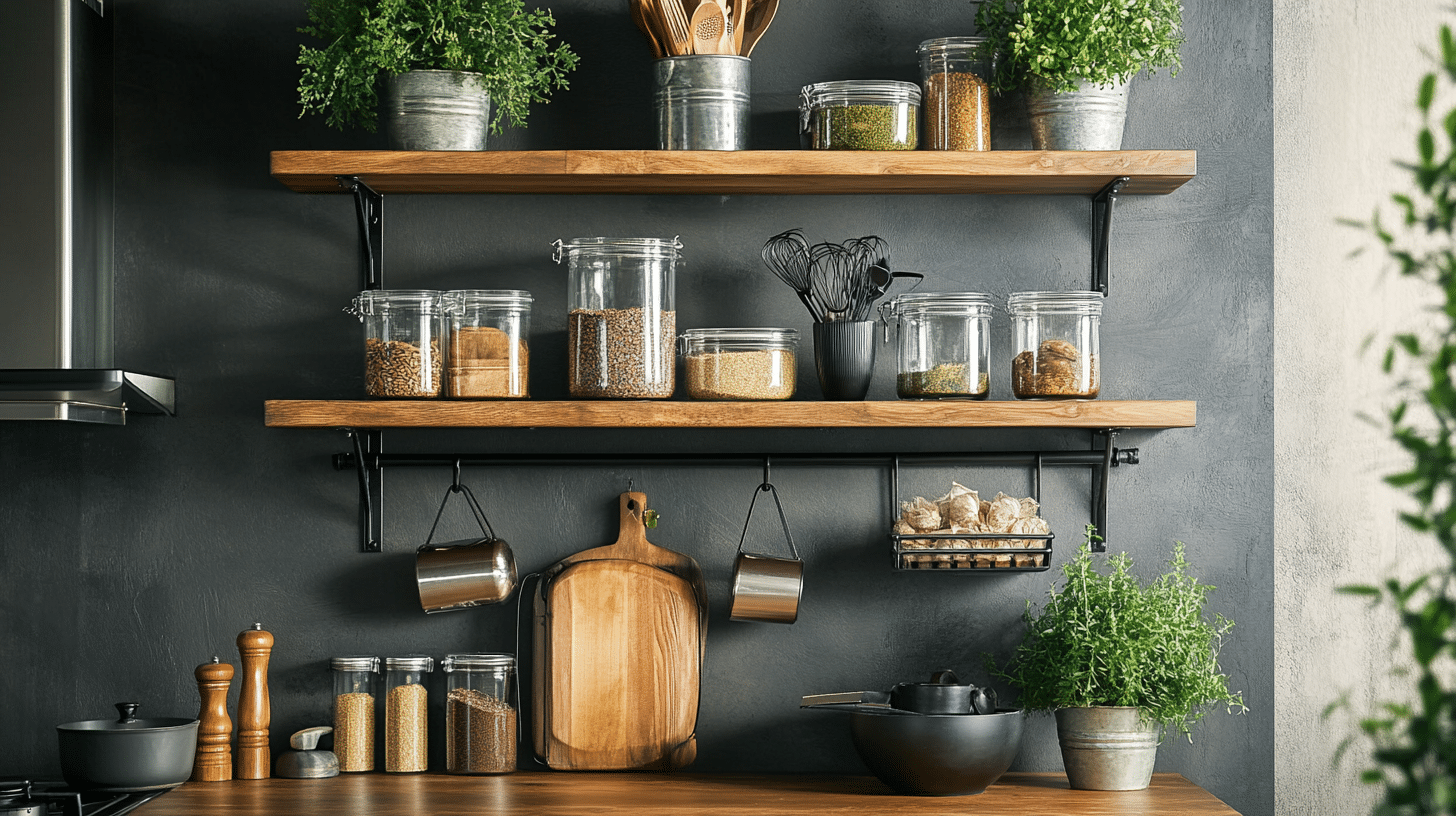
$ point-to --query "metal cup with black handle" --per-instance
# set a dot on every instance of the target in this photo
(767, 588)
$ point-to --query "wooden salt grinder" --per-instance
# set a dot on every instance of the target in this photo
(253, 760)
(214, 762)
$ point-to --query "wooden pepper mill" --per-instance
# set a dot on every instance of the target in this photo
(214, 762)
(254, 714)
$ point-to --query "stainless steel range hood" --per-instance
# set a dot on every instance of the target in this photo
(56, 282)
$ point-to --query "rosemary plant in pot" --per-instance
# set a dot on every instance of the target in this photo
(1074, 59)
(1120, 661)
(441, 63)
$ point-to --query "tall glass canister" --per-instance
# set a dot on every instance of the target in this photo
(1056, 344)
(404, 342)
(955, 74)
(355, 679)
(407, 713)
(621, 323)
(481, 724)
(943, 345)
(488, 354)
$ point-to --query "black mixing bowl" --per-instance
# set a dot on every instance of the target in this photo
(937, 754)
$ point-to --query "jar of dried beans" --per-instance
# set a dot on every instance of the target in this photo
(404, 349)
(621, 324)
(954, 75)
(406, 713)
(355, 679)
(488, 356)
(739, 364)
(943, 344)
(1056, 344)
(856, 114)
(481, 726)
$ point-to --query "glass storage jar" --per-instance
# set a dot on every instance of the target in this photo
(403, 341)
(943, 345)
(407, 713)
(355, 679)
(488, 354)
(481, 726)
(739, 364)
(1056, 344)
(869, 114)
(621, 324)
(955, 75)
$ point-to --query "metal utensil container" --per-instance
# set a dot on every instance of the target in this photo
(1056, 344)
(943, 344)
(406, 713)
(482, 728)
(955, 75)
(404, 345)
(488, 353)
(621, 325)
(702, 102)
(355, 682)
(739, 364)
(860, 115)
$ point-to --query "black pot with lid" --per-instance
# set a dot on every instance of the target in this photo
(943, 694)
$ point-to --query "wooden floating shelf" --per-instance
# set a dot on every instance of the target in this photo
(1096, 414)
(765, 172)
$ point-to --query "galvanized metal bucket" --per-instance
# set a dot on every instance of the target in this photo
(1107, 747)
(702, 102)
(1089, 118)
(435, 110)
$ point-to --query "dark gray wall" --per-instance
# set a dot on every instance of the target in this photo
(132, 554)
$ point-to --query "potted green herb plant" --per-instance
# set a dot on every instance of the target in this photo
(1073, 60)
(442, 63)
(1120, 661)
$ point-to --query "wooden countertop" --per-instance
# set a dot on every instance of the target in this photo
(666, 794)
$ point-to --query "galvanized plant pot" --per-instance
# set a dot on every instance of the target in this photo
(1107, 747)
(1089, 118)
(435, 110)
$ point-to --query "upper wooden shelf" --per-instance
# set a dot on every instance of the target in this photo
(768, 172)
(673, 414)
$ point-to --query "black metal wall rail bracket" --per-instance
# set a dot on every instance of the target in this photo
(1103, 202)
(370, 208)
(368, 460)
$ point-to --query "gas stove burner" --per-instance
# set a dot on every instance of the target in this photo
(22, 797)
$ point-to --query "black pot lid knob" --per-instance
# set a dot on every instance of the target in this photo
(128, 712)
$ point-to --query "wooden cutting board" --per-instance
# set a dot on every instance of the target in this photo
(619, 640)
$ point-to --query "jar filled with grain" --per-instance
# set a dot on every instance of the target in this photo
(481, 726)
(406, 713)
(943, 344)
(1056, 344)
(739, 364)
(355, 679)
(404, 342)
(621, 322)
(869, 114)
(488, 356)
(955, 75)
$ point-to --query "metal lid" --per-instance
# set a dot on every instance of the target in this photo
(362, 663)
(1031, 303)
(477, 662)
(422, 663)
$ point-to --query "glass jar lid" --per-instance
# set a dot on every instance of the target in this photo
(859, 92)
(971, 304)
(618, 247)
(421, 663)
(745, 337)
(477, 662)
(355, 663)
(383, 301)
(941, 46)
(1026, 304)
(499, 298)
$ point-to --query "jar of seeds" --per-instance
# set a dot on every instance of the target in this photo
(1056, 339)
(355, 679)
(621, 323)
(739, 364)
(481, 726)
(406, 713)
(860, 115)
(404, 351)
(955, 74)
(488, 354)
(943, 344)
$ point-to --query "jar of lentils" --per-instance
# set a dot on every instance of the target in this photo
(943, 344)
(739, 364)
(355, 679)
(481, 726)
(407, 713)
(1056, 344)
(404, 341)
(860, 115)
(955, 75)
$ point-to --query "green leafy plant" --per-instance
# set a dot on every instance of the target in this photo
(1107, 638)
(364, 40)
(1414, 742)
(1063, 43)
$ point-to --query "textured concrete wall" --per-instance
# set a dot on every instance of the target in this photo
(1344, 90)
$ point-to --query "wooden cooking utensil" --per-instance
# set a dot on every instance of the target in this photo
(758, 18)
(738, 14)
(638, 10)
(254, 712)
(710, 29)
(214, 760)
(674, 23)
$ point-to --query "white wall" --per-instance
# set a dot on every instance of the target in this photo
(1345, 76)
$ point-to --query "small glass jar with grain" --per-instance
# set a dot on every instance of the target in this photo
(355, 679)
(855, 114)
(481, 725)
(1056, 344)
(488, 353)
(407, 713)
(404, 345)
(944, 345)
(955, 75)
(739, 364)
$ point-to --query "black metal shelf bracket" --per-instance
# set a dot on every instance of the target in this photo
(367, 447)
(370, 207)
(1102, 205)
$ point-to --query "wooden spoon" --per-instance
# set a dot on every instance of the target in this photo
(638, 10)
(739, 13)
(710, 28)
(756, 22)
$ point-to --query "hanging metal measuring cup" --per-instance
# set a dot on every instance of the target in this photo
(766, 588)
(466, 573)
